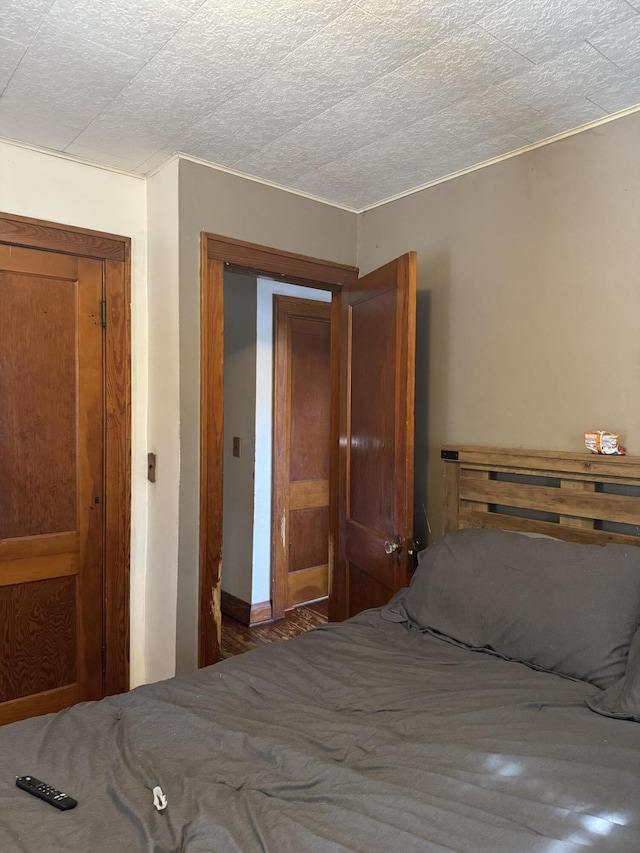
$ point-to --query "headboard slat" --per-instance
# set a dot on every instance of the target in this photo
(472, 519)
(573, 495)
(511, 459)
(593, 505)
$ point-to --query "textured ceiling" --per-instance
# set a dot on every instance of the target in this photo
(351, 102)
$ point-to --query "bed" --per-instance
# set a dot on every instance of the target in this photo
(412, 727)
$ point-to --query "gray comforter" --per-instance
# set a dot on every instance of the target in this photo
(355, 737)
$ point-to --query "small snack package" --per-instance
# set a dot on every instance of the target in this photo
(601, 441)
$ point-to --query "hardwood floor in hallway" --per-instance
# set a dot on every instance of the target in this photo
(238, 638)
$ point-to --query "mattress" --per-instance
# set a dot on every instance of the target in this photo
(361, 736)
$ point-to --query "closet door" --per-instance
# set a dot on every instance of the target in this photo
(377, 345)
(51, 481)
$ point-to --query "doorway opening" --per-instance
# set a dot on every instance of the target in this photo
(220, 254)
(276, 444)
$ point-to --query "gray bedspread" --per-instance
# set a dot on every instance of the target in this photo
(354, 737)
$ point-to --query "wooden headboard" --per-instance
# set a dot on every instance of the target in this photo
(581, 497)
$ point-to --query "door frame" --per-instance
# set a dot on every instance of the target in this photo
(218, 253)
(115, 254)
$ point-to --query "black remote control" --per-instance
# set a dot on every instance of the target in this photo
(45, 792)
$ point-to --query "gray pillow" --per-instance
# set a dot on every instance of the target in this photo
(622, 699)
(562, 607)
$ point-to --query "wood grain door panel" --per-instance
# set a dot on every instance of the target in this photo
(302, 418)
(377, 368)
(37, 450)
(51, 471)
(371, 464)
(36, 616)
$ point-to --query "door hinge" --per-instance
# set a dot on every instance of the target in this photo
(103, 313)
(104, 659)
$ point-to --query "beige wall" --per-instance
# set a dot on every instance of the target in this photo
(221, 203)
(528, 299)
(163, 423)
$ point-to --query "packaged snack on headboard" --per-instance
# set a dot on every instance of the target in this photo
(601, 441)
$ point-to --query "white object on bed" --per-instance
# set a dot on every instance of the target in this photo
(159, 799)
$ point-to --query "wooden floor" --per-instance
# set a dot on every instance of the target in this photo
(237, 638)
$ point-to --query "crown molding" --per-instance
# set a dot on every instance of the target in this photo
(63, 155)
(265, 182)
(516, 153)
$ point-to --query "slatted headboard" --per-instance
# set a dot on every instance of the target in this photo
(580, 497)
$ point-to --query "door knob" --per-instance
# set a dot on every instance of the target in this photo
(390, 546)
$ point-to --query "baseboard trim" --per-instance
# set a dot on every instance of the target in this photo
(247, 614)
(261, 612)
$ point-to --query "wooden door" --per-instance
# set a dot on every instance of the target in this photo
(377, 339)
(51, 481)
(301, 444)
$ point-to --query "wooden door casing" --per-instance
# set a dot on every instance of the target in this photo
(376, 437)
(219, 253)
(301, 451)
(102, 469)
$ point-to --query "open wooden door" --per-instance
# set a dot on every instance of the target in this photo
(377, 376)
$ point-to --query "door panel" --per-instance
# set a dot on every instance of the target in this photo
(36, 615)
(51, 498)
(377, 367)
(309, 341)
(302, 403)
(308, 534)
(371, 464)
(364, 590)
(37, 457)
